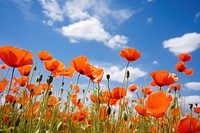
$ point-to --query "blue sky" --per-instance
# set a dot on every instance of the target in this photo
(99, 29)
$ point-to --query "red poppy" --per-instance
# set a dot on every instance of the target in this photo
(79, 116)
(133, 87)
(175, 87)
(35, 90)
(51, 101)
(163, 77)
(188, 125)
(25, 70)
(146, 90)
(152, 83)
(24, 99)
(130, 54)
(80, 64)
(95, 74)
(15, 57)
(142, 110)
(118, 92)
(189, 72)
(3, 66)
(180, 66)
(54, 66)
(158, 103)
(45, 85)
(2, 87)
(197, 109)
(10, 98)
(21, 81)
(44, 55)
(185, 57)
(76, 102)
(77, 88)
(68, 72)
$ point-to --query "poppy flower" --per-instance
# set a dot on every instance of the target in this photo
(80, 64)
(33, 110)
(95, 74)
(15, 57)
(76, 102)
(44, 55)
(10, 98)
(152, 83)
(163, 77)
(118, 92)
(21, 81)
(130, 54)
(3, 66)
(175, 87)
(189, 72)
(2, 87)
(185, 57)
(35, 90)
(188, 125)
(25, 70)
(79, 116)
(51, 101)
(103, 112)
(133, 87)
(141, 110)
(68, 72)
(77, 88)
(45, 85)
(146, 90)
(157, 103)
(24, 99)
(180, 66)
(197, 109)
(54, 66)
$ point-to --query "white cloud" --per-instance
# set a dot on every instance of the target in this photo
(87, 20)
(193, 85)
(116, 74)
(191, 99)
(187, 43)
(52, 10)
(150, 0)
(155, 62)
(197, 15)
(150, 20)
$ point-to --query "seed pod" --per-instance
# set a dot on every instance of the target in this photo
(49, 79)
(108, 110)
(191, 106)
(130, 125)
(59, 126)
(124, 116)
(108, 76)
(127, 74)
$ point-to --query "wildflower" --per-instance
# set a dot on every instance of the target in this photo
(76, 102)
(52, 101)
(21, 80)
(95, 74)
(185, 57)
(158, 103)
(146, 90)
(2, 87)
(133, 87)
(10, 98)
(142, 110)
(163, 77)
(68, 72)
(45, 85)
(44, 55)
(118, 92)
(3, 66)
(80, 64)
(15, 57)
(180, 67)
(130, 54)
(25, 70)
(79, 116)
(197, 109)
(77, 88)
(35, 90)
(175, 87)
(188, 125)
(189, 72)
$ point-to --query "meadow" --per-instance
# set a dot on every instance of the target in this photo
(29, 104)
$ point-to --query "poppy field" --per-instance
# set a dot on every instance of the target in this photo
(29, 105)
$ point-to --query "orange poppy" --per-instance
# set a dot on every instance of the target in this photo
(33, 110)
(188, 125)
(45, 85)
(185, 57)
(146, 90)
(95, 74)
(2, 87)
(103, 113)
(130, 54)
(44, 55)
(118, 92)
(133, 87)
(80, 64)
(79, 116)
(24, 99)
(54, 66)
(95, 98)
(76, 102)
(77, 88)
(25, 70)
(189, 72)
(158, 103)
(21, 81)
(163, 77)
(52, 101)
(10, 98)
(68, 72)
(15, 57)
(35, 90)
(197, 109)
(3, 66)
(152, 83)
(141, 110)
(175, 87)
(180, 66)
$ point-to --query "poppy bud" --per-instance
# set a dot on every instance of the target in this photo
(39, 78)
(49, 79)
(124, 116)
(50, 92)
(108, 76)
(63, 83)
(196, 104)
(191, 106)
(35, 68)
(17, 122)
(59, 126)
(108, 110)
(127, 74)
(130, 125)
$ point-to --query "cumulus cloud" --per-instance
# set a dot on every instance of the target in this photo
(191, 99)
(197, 15)
(117, 73)
(87, 19)
(187, 43)
(193, 85)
